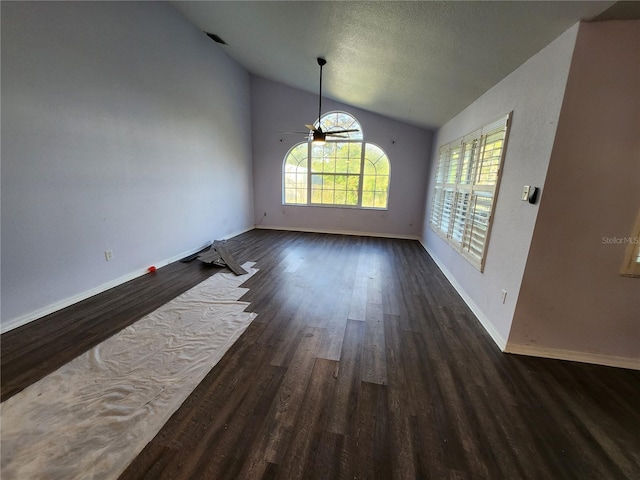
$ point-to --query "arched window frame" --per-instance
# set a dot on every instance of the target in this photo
(307, 165)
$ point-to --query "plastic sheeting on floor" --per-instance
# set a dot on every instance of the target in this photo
(94, 415)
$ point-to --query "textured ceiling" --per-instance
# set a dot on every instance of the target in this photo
(421, 62)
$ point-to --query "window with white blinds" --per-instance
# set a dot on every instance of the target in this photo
(466, 186)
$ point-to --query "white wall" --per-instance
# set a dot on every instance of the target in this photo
(123, 128)
(534, 93)
(573, 302)
(279, 108)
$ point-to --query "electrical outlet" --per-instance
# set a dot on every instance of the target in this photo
(108, 255)
(503, 296)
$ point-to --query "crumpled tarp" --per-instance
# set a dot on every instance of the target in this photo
(94, 415)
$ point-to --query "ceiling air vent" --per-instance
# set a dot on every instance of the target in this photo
(215, 38)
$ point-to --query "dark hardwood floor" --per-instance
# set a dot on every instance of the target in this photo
(363, 363)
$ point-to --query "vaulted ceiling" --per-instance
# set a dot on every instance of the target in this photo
(420, 61)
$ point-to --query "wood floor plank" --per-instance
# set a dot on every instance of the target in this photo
(429, 424)
(373, 439)
(374, 364)
(347, 389)
(325, 460)
(363, 362)
(290, 399)
(241, 427)
(334, 334)
(310, 422)
(358, 306)
(400, 408)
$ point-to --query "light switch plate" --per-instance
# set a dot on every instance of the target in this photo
(525, 193)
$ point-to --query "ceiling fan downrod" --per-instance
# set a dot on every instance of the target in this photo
(322, 62)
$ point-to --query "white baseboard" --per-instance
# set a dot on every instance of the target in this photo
(54, 307)
(584, 357)
(339, 232)
(534, 351)
(499, 340)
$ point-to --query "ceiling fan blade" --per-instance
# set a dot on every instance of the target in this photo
(343, 131)
(291, 133)
(311, 127)
(335, 135)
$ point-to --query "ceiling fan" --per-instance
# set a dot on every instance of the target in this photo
(317, 135)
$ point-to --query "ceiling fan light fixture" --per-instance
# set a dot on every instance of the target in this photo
(319, 137)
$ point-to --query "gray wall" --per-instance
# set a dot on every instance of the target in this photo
(576, 118)
(279, 108)
(123, 128)
(573, 302)
(534, 93)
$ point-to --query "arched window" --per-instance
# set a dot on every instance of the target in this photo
(344, 172)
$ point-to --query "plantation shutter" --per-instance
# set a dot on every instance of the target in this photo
(439, 194)
(466, 185)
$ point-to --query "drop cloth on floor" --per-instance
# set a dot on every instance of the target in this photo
(91, 418)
